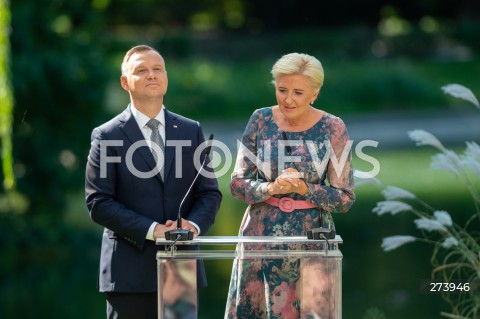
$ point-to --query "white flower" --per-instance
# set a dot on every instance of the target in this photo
(449, 160)
(443, 217)
(421, 137)
(450, 163)
(393, 242)
(449, 242)
(391, 206)
(461, 92)
(473, 150)
(454, 158)
(429, 224)
(472, 164)
(393, 192)
(363, 178)
(471, 157)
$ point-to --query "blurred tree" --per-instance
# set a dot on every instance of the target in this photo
(59, 79)
(228, 29)
(254, 15)
(6, 99)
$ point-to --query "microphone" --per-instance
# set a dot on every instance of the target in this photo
(320, 232)
(180, 234)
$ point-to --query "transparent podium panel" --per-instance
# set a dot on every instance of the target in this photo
(177, 283)
(319, 288)
(306, 274)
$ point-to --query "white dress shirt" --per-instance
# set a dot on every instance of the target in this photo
(142, 120)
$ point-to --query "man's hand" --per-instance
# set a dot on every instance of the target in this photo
(159, 231)
(185, 225)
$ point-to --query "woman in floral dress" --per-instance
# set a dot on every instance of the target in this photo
(303, 155)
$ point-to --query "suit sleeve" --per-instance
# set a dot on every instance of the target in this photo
(100, 191)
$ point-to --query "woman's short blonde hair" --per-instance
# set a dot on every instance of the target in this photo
(299, 63)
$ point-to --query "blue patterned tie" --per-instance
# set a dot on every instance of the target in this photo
(156, 138)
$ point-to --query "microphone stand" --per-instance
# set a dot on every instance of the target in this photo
(320, 232)
(180, 234)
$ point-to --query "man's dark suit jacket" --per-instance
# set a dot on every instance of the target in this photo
(126, 205)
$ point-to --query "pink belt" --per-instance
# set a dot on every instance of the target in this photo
(288, 205)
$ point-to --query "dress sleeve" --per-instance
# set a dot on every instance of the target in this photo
(246, 184)
(338, 194)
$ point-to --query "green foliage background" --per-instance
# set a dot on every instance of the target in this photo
(64, 70)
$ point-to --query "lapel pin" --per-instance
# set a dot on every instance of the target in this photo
(174, 126)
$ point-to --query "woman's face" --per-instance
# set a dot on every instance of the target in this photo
(294, 95)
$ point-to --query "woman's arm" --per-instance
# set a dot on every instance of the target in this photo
(338, 195)
(245, 183)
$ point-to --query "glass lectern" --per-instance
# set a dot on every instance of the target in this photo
(319, 284)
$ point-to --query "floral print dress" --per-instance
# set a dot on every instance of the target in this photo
(267, 288)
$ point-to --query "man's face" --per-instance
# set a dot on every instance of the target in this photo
(146, 76)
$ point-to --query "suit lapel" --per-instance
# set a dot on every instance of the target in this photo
(130, 128)
(171, 133)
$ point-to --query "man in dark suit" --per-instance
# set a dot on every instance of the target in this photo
(134, 196)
